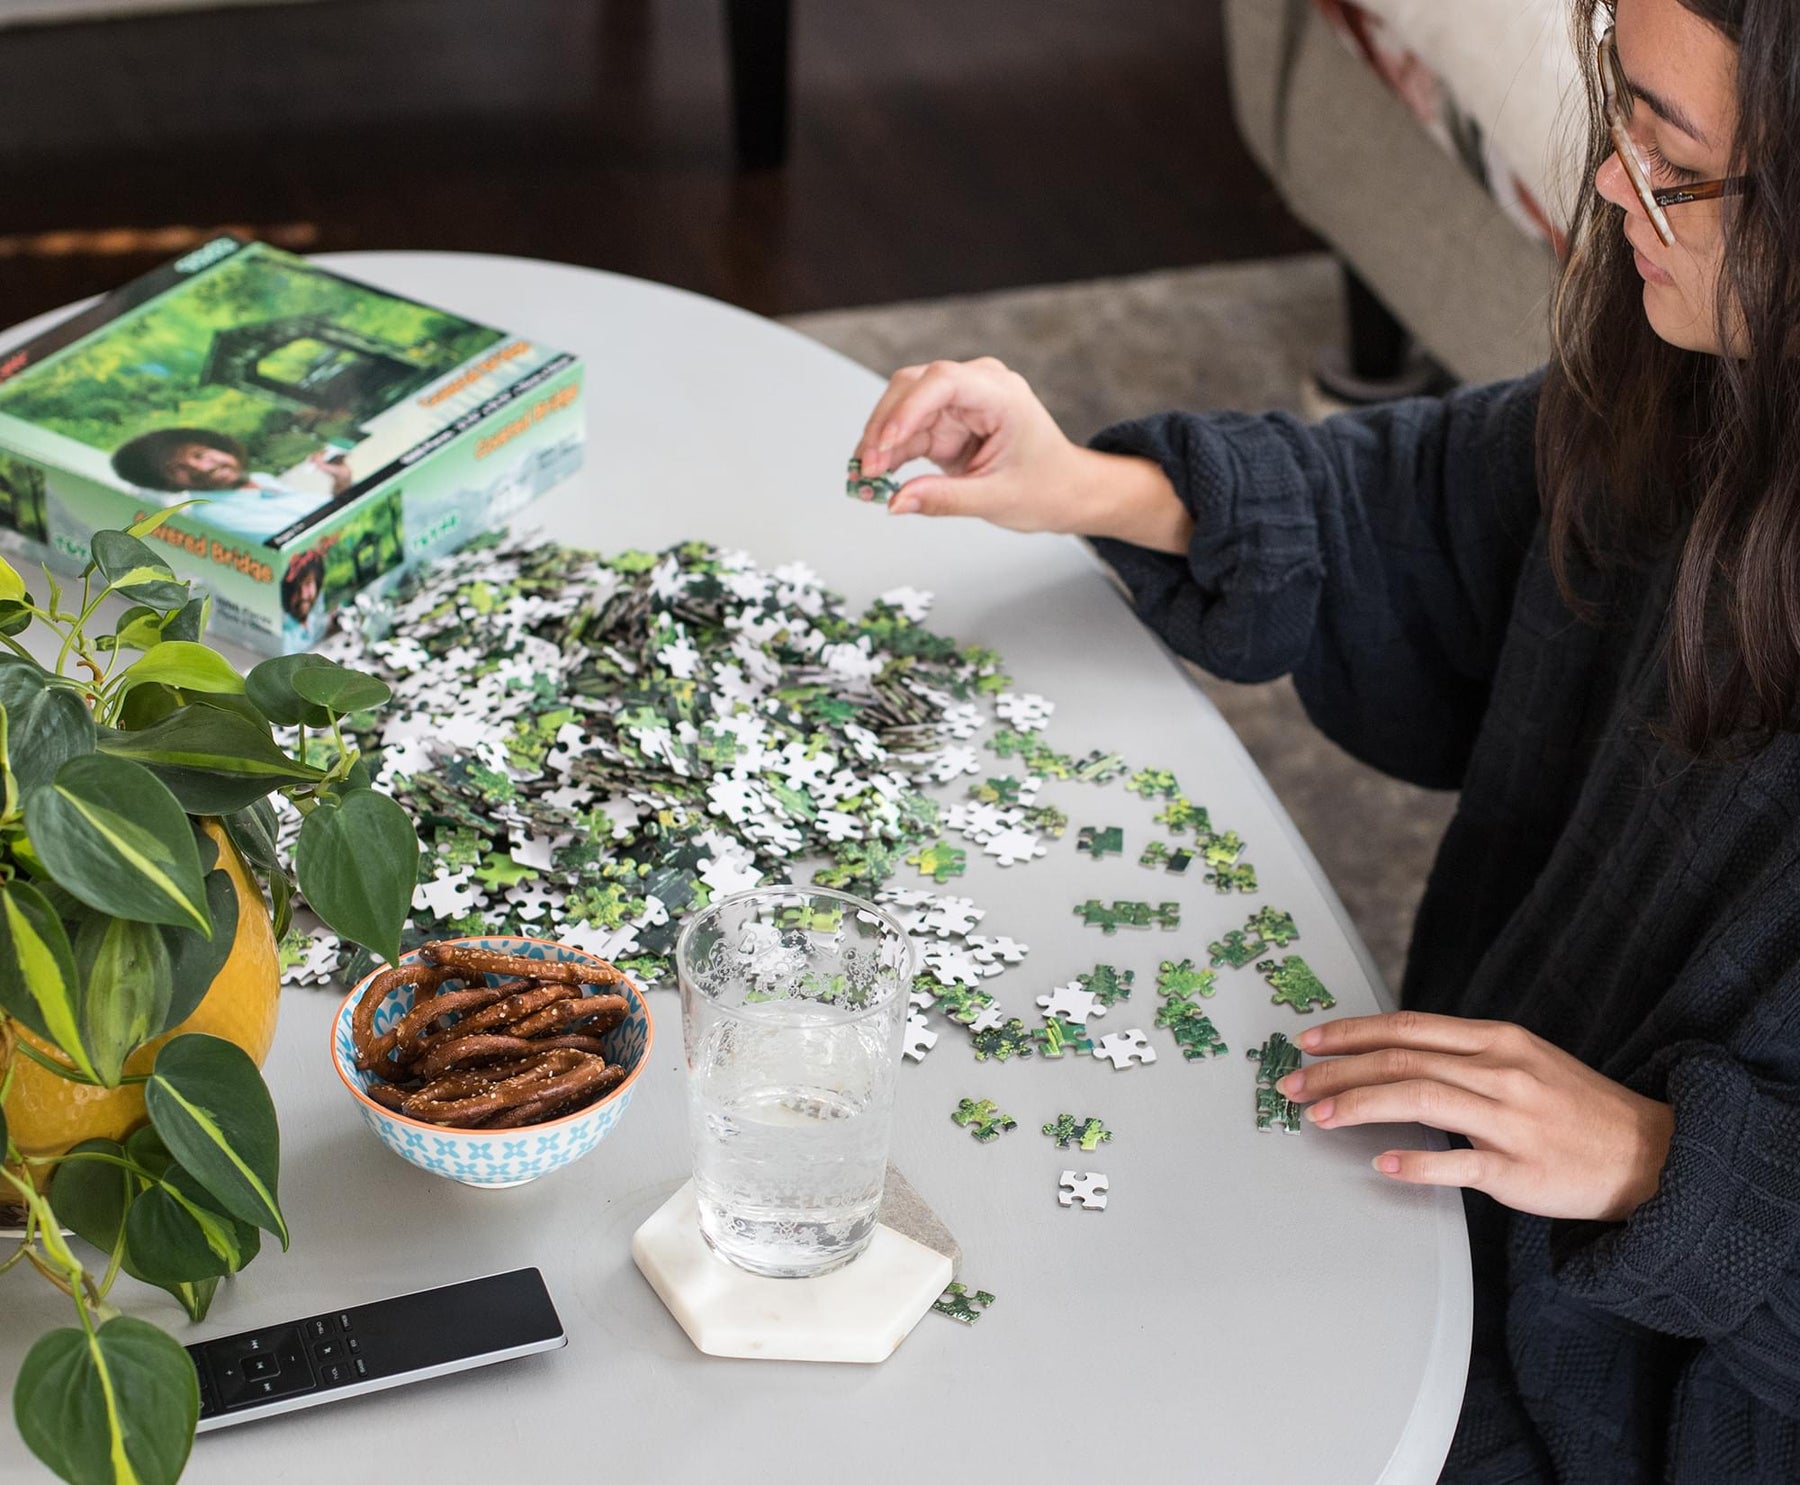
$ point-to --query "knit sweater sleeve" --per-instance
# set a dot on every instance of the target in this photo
(1714, 1255)
(1372, 555)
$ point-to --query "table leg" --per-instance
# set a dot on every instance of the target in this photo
(759, 34)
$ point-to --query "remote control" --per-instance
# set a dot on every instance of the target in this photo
(346, 1353)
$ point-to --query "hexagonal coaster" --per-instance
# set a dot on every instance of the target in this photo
(860, 1312)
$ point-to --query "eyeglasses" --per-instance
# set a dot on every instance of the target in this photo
(1616, 105)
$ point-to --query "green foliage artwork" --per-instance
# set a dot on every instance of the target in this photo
(172, 363)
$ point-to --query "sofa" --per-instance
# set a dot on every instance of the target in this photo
(1433, 146)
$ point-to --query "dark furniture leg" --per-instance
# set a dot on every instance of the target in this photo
(759, 34)
(1380, 361)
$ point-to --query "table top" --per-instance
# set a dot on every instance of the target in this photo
(1250, 1307)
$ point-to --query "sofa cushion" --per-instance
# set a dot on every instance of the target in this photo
(1495, 82)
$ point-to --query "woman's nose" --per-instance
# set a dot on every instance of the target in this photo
(1611, 181)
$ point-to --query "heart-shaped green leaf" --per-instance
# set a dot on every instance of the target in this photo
(48, 722)
(339, 689)
(190, 621)
(11, 584)
(213, 761)
(195, 961)
(146, 524)
(126, 984)
(358, 862)
(172, 1235)
(116, 1408)
(38, 980)
(91, 1196)
(253, 831)
(209, 1104)
(112, 833)
(182, 663)
(271, 686)
(118, 554)
(146, 1150)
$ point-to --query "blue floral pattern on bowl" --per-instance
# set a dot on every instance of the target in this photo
(497, 1157)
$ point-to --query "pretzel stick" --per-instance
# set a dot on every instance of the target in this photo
(362, 1018)
(538, 1113)
(468, 958)
(415, 1025)
(608, 1010)
(555, 1072)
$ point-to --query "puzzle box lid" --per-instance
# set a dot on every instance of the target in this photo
(274, 389)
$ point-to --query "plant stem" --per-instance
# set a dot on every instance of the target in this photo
(71, 1074)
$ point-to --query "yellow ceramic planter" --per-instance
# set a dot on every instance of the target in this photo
(46, 1114)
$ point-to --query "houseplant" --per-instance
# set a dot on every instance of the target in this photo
(135, 825)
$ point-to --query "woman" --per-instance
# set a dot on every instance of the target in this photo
(1576, 597)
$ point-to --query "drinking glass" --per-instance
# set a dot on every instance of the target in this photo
(793, 1007)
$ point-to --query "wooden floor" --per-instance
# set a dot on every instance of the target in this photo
(939, 146)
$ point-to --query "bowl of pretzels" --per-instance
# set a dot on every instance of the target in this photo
(492, 1060)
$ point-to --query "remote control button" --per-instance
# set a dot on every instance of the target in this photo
(261, 1366)
(320, 1327)
(344, 1320)
(354, 1345)
(334, 1373)
(325, 1351)
(362, 1367)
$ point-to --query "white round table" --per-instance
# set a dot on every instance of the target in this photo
(1251, 1307)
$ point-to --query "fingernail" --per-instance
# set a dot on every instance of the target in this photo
(1307, 1040)
(903, 505)
(1320, 1113)
(1388, 1165)
(890, 435)
(1291, 1085)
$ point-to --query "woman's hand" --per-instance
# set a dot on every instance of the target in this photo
(1005, 460)
(1550, 1135)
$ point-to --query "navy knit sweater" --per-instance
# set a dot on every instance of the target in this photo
(1642, 913)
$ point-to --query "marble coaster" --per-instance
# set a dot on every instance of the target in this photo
(860, 1312)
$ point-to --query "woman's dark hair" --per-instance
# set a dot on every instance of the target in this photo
(140, 460)
(1643, 446)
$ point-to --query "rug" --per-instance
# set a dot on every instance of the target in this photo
(1237, 336)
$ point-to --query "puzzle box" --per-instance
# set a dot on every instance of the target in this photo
(337, 432)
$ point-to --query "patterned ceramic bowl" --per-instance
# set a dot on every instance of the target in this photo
(497, 1157)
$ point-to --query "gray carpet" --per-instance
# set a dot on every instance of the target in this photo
(1239, 336)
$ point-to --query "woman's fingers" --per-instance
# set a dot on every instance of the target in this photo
(939, 495)
(970, 388)
(1389, 1065)
(1418, 1029)
(897, 387)
(1417, 1102)
(1438, 1167)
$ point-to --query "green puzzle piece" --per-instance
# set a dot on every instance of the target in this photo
(959, 1304)
(940, 862)
(984, 1120)
(879, 488)
(1222, 850)
(1181, 814)
(1273, 927)
(1275, 1059)
(1002, 792)
(1099, 767)
(1057, 1035)
(1194, 1031)
(1152, 782)
(1153, 855)
(1100, 843)
(961, 1003)
(1010, 1040)
(1182, 981)
(1240, 878)
(1295, 984)
(1106, 984)
(1236, 949)
(1089, 1132)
